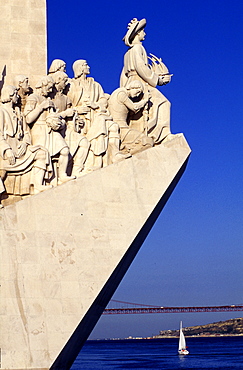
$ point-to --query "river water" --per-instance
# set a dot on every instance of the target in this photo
(221, 353)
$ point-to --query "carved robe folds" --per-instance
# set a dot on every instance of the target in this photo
(41, 134)
(158, 118)
(13, 134)
(95, 127)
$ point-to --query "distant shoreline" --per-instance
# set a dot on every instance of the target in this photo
(199, 336)
(228, 328)
(167, 337)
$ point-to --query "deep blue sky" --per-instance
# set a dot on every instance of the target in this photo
(193, 255)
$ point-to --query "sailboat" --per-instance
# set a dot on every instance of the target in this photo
(182, 343)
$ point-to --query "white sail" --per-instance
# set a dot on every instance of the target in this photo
(182, 342)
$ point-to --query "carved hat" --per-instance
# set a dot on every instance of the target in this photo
(133, 28)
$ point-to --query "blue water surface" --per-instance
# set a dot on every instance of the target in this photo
(221, 353)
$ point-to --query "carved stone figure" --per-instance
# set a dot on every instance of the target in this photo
(77, 142)
(22, 165)
(88, 98)
(61, 101)
(75, 127)
(136, 67)
(24, 89)
(57, 65)
(125, 100)
(38, 108)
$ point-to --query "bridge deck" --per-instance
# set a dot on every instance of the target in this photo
(140, 310)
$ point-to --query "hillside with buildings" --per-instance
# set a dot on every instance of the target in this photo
(229, 327)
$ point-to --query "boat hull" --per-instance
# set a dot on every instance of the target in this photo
(183, 352)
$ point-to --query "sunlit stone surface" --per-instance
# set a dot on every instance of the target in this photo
(59, 248)
(23, 39)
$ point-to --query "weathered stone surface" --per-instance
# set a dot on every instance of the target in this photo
(23, 40)
(64, 252)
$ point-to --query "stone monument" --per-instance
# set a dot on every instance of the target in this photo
(23, 40)
(84, 176)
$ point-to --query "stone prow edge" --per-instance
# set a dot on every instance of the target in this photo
(75, 343)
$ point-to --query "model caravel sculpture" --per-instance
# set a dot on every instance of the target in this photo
(62, 268)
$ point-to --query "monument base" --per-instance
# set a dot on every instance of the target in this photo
(65, 251)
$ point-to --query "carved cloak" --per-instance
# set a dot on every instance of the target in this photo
(136, 67)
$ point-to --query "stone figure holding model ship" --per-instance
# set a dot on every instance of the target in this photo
(136, 67)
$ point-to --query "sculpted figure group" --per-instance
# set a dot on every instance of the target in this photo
(69, 127)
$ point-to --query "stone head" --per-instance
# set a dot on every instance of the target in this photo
(9, 93)
(54, 121)
(135, 88)
(45, 85)
(80, 67)
(60, 80)
(135, 31)
(22, 82)
(57, 65)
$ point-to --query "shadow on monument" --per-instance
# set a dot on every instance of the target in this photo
(72, 348)
(4, 73)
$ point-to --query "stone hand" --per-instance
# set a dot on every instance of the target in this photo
(83, 110)
(21, 150)
(91, 104)
(10, 156)
(69, 112)
(47, 104)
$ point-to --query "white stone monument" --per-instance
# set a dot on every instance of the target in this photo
(66, 244)
(23, 39)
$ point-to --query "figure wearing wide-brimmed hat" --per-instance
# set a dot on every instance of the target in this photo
(134, 27)
(136, 67)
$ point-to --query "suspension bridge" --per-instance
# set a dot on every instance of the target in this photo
(136, 308)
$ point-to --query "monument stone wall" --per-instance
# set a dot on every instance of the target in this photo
(64, 252)
(23, 39)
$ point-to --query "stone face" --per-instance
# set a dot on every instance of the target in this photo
(64, 252)
(23, 40)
